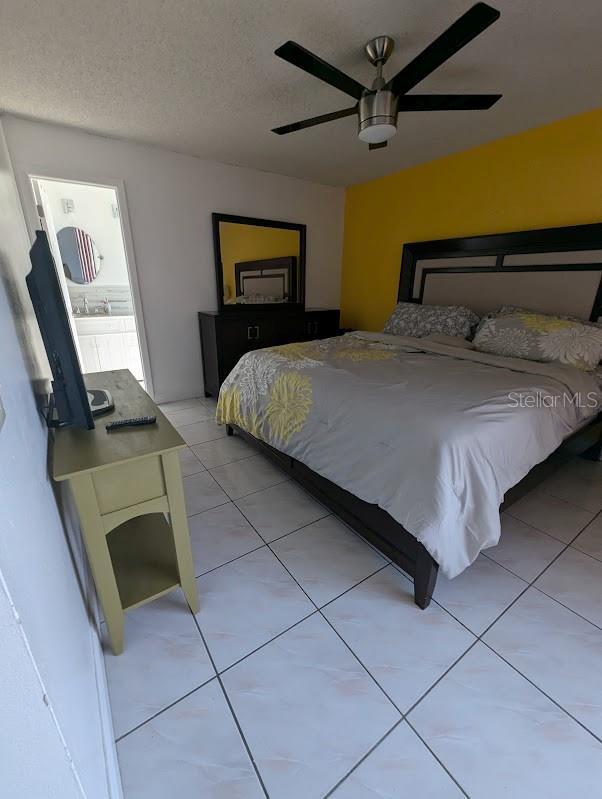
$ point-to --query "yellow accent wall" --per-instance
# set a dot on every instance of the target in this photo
(545, 177)
(240, 242)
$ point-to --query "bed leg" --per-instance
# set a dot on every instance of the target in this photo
(425, 578)
(229, 430)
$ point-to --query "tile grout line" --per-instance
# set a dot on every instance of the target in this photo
(316, 611)
(595, 557)
(263, 544)
(197, 443)
(163, 709)
(570, 504)
(317, 501)
(554, 701)
(284, 535)
(566, 607)
(219, 465)
(402, 715)
(479, 638)
(436, 756)
(534, 527)
(272, 639)
(261, 646)
(402, 720)
(355, 585)
(213, 507)
(361, 760)
(228, 562)
(244, 496)
(568, 501)
(178, 425)
(319, 610)
(539, 574)
(445, 673)
(229, 498)
(531, 584)
(234, 716)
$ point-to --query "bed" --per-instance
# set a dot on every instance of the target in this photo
(416, 443)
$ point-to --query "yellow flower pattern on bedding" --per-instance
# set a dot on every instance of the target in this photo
(365, 354)
(539, 337)
(290, 401)
(298, 351)
(543, 323)
(229, 411)
(269, 393)
(228, 406)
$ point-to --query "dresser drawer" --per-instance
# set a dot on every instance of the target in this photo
(128, 484)
(228, 335)
(320, 323)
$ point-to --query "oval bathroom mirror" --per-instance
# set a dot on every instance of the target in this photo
(79, 255)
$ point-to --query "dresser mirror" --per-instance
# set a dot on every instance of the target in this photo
(258, 262)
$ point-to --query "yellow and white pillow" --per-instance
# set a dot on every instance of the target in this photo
(539, 337)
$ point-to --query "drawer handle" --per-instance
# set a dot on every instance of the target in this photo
(250, 335)
(256, 331)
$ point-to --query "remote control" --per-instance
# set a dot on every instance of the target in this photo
(138, 421)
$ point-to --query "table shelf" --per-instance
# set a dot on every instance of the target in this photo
(144, 559)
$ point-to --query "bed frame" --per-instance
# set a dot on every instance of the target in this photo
(526, 261)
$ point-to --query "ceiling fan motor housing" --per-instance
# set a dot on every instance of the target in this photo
(377, 114)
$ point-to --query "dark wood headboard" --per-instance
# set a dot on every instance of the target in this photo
(284, 268)
(551, 270)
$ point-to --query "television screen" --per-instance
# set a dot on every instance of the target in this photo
(70, 405)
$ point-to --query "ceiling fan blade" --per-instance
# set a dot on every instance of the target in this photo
(378, 146)
(446, 102)
(309, 123)
(464, 30)
(302, 58)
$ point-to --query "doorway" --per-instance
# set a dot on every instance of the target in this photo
(85, 229)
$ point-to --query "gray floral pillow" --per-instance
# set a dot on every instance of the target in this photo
(513, 309)
(538, 337)
(412, 319)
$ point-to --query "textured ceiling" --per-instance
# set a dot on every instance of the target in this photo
(200, 77)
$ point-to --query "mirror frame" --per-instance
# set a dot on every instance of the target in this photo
(98, 258)
(250, 220)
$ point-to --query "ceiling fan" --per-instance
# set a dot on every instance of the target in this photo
(377, 108)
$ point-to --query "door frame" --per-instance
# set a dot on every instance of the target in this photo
(118, 186)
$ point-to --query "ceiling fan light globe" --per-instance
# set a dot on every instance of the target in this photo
(377, 133)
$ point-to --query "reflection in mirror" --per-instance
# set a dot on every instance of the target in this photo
(79, 255)
(260, 264)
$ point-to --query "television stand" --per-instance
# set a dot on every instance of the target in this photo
(128, 491)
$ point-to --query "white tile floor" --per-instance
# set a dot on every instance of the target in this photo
(309, 672)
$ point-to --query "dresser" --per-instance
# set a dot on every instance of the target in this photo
(226, 335)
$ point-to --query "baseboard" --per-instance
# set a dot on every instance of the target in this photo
(177, 396)
(115, 790)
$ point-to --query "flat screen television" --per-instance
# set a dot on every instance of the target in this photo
(70, 404)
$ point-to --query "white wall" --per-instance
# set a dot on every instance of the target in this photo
(51, 729)
(93, 214)
(170, 198)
